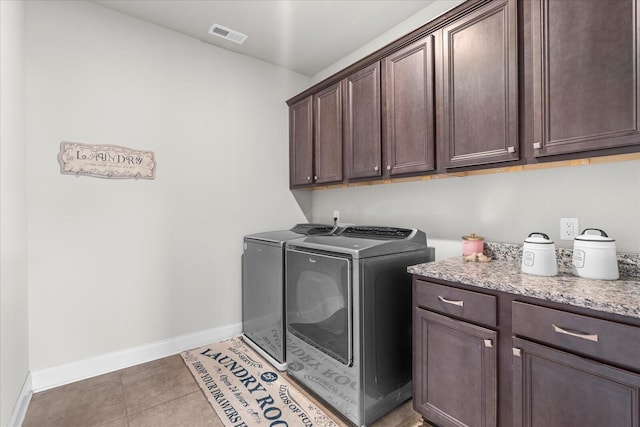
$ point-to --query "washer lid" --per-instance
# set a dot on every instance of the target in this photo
(378, 241)
(281, 236)
(273, 237)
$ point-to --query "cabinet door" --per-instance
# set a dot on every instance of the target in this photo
(328, 135)
(479, 108)
(586, 85)
(363, 149)
(454, 370)
(301, 143)
(408, 106)
(556, 389)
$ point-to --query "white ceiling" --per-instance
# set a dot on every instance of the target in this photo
(305, 36)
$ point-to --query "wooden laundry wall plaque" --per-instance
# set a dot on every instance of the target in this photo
(106, 161)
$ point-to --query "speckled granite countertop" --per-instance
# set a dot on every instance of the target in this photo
(620, 296)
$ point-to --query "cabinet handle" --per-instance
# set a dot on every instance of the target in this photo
(488, 343)
(537, 145)
(448, 301)
(589, 337)
(375, 168)
(516, 352)
(511, 149)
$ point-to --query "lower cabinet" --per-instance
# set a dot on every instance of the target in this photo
(556, 388)
(486, 358)
(567, 376)
(455, 371)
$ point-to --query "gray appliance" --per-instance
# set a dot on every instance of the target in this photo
(263, 289)
(349, 317)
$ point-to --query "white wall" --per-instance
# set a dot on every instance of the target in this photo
(119, 263)
(14, 352)
(501, 207)
(435, 9)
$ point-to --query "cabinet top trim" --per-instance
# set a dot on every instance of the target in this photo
(518, 168)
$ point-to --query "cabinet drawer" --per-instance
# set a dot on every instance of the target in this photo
(468, 305)
(602, 339)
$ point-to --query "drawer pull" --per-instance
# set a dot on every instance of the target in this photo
(448, 301)
(590, 337)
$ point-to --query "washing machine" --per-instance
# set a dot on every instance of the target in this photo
(263, 299)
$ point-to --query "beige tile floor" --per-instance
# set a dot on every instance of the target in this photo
(159, 393)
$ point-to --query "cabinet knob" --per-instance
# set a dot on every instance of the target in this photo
(315, 178)
(375, 168)
(488, 343)
(537, 145)
(308, 178)
(517, 352)
(511, 149)
(388, 167)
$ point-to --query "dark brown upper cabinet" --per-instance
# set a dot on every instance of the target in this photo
(301, 143)
(315, 138)
(488, 83)
(478, 109)
(408, 106)
(362, 139)
(327, 120)
(585, 75)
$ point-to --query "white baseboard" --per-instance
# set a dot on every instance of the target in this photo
(43, 379)
(20, 410)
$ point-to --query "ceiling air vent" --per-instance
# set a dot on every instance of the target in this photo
(228, 34)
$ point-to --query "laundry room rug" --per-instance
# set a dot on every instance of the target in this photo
(246, 391)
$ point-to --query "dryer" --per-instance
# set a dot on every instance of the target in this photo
(349, 317)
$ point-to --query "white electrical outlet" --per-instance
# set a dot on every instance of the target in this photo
(569, 228)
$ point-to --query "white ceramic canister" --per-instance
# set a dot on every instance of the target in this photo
(539, 255)
(471, 244)
(594, 255)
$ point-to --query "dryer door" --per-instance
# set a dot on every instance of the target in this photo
(319, 302)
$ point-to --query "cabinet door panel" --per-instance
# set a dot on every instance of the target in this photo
(454, 371)
(480, 87)
(328, 135)
(363, 149)
(586, 86)
(556, 389)
(408, 104)
(301, 143)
